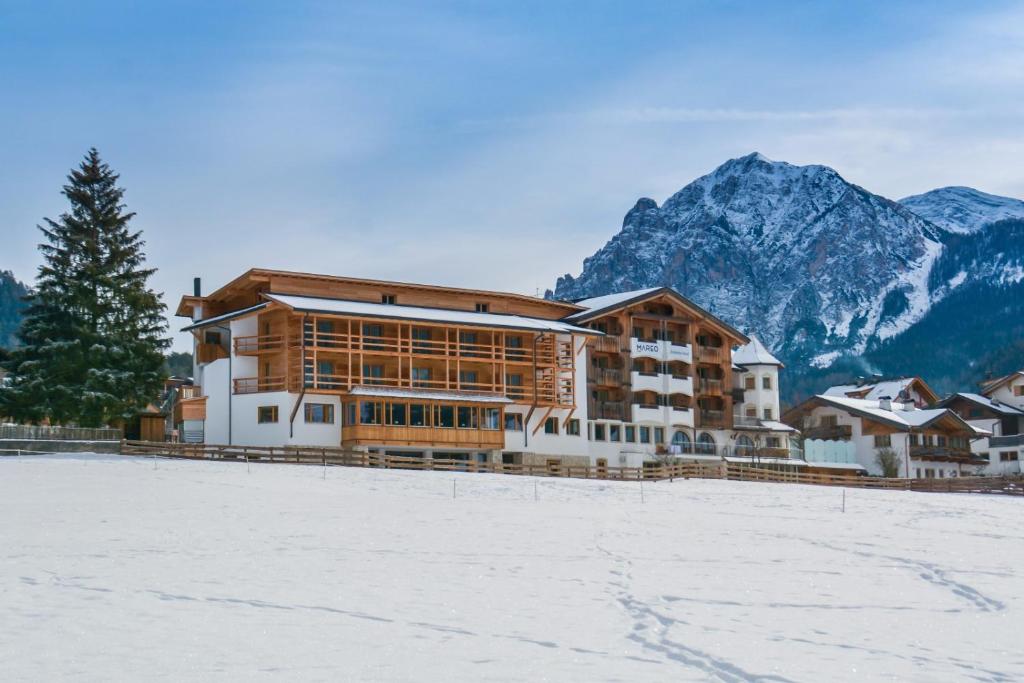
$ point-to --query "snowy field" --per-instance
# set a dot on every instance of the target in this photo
(113, 570)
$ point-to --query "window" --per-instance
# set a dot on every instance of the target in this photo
(490, 418)
(599, 432)
(323, 368)
(630, 434)
(573, 428)
(917, 472)
(513, 422)
(645, 435)
(829, 420)
(266, 328)
(373, 374)
(614, 433)
(467, 377)
(372, 337)
(773, 442)
(467, 417)
(417, 415)
(659, 435)
(883, 440)
(766, 382)
(768, 413)
(1008, 456)
(399, 415)
(352, 413)
(369, 413)
(1018, 390)
(266, 414)
(444, 416)
(748, 382)
(421, 377)
(482, 307)
(319, 413)
(513, 342)
(211, 337)
(551, 425)
(467, 337)
(942, 474)
(751, 412)
(387, 299)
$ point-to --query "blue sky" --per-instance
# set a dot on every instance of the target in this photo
(479, 144)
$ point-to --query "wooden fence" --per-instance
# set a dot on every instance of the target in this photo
(54, 433)
(659, 472)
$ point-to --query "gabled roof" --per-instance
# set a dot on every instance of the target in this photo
(903, 420)
(983, 401)
(754, 353)
(890, 388)
(991, 385)
(313, 304)
(601, 305)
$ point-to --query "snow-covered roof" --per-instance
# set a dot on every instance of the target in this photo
(994, 384)
(754, 353)
(427, 395)
(890, 388)
(907, 418)
(987, 402)
(776, 426)
(224, 317)
(599, 303)
(314, 304)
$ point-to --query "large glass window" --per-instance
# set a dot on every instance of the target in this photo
(373, 374)
(417, 415)
(321, 413)
(369, 413)
(399, 414)
(421, 377)
(372, 337)
(467, 417)
(444, 416)
(491, 418)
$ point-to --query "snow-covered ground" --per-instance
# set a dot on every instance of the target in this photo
(113, 570)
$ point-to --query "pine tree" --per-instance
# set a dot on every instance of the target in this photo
(93, 333)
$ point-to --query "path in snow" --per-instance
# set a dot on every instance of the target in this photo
(122, 568)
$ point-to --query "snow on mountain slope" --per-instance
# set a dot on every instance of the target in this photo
(114, 570)
(963, 209)
(816, 266)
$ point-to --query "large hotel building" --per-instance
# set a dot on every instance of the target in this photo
(284, 358)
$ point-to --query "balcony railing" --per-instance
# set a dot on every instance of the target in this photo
(607, 345)
(207, 353)
(252, 385)
(608, 376)
(709, 354)
(710, 386)
(1006, 441)
(829, 432)
(740, 421)
(929, 451)
(256, 344)
(607, 410)
(710, 418)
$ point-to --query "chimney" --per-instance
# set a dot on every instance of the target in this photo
(197, 286)
(885, 403)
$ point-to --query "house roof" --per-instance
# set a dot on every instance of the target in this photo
(890, 388)
(600, 305)
(992, 385)
(754, 353)
(983, 401)
(311, 304)
(224, 317)
(903, 420)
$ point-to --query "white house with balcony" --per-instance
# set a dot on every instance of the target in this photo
(999, 409)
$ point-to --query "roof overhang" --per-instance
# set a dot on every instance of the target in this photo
(226, 317)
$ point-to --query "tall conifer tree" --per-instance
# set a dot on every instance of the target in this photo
(93, 334)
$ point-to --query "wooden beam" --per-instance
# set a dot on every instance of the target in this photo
(543, 420)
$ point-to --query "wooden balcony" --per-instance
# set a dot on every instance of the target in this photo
(252, 385)
(711, 419)
(607, 345)
(189, 409)
(709, 354)
(712, 387)
(946, 453)
(829, 432)
(356, 435)
(607, 410)
(257, 344)
(207, 353)
(607, 377)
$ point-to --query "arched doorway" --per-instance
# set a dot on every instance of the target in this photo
(682, 439)
(744, 446)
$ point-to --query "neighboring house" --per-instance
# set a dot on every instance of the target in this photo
(292, 358)
(999, 409)
(913, 389)
(662, 383)
(928, 442)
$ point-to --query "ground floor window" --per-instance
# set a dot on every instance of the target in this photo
(513, 422)
(551, 425)
(614, 433)
(573, 428)
(645, 435)
(706, 444)
(630, 434)
(319, 413)
(599, 433)
(266, 414)
(883, 440)
(1008, 456)
(490, 418)
(659, 435)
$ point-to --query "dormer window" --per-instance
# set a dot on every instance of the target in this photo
(482, 307)
(388, 299)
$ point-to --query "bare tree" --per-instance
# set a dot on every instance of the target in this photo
(889, 461)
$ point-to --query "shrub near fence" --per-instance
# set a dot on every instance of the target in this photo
(52, 433)
(659, 472)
